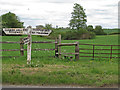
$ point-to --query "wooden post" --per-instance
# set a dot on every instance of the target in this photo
(59, 46)
(21, 47)
(93, 51)
(111, 53)
(29, 46)
(56, 47)
(77, 51)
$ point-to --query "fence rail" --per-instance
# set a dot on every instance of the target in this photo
(22, 47)
(93, 51)
(79, 50)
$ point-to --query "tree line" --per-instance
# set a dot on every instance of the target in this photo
(76, 24)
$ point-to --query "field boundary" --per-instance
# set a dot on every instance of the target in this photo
(58, 46)
(93, 51)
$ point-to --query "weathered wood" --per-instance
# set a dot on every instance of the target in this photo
(111, 53)
(9, 42)
(21, 47)
(68, 53)
(66, 44)
(77, 51)
(9, 49)
(93, 50)
(29, 47)
(59, 46)
(43, 49)
(43, 42)
(56, 47)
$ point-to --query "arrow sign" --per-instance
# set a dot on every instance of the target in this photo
(41, 32)
(23, 31)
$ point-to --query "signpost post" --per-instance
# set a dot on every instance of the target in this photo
(29, 46)
(27, 40)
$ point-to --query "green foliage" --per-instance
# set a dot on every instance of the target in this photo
(78, 19)
(112, 31)
(99, 30)
(78, 34)
(90, 28)
(39, 27)
(48, 26)
(10, 20)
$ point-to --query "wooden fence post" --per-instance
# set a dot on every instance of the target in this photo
(21, 47)
(56, 47)
(59, 46)
(77, 51)
(111, 53)
(93, 51)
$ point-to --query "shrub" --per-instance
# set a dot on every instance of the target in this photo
(78, 34)
(99, 30)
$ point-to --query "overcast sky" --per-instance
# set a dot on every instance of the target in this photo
(58, 12)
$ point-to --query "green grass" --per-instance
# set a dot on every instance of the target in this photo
(46, 70)
(110, 31)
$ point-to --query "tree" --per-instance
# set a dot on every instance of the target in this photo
(90, 28)
(48, 26)
(99, 30)
(78, 19)
(10, 20)
(40, 27)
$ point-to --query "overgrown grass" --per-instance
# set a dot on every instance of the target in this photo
(46, 70)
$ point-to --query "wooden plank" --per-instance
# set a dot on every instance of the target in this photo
(9, 42)
(9, 49)
(98, 45)
(93, 51)
(111, 53)
(43, 49)
(21, 47)
(43, 42)
(68, 53)
(99, 57)
(97, 53)
(77, 50)
(8, 56)
(66, 44)
(56, 47)
(59, 50)
(96, 49)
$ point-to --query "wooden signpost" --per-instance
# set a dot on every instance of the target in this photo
(29, 46)
(27, 40)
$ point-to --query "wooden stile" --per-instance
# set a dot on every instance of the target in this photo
(111, 53)
(56, 47)
(59, 46)
(77, 51)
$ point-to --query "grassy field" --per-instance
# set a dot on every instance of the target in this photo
(46, 70)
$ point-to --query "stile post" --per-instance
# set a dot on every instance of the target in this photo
(59, 46)
(56, 47)
(77, 51)
(21, 47)
(29, 46)
(93, 51)
(111, 53)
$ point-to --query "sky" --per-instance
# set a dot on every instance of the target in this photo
(58, 12)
